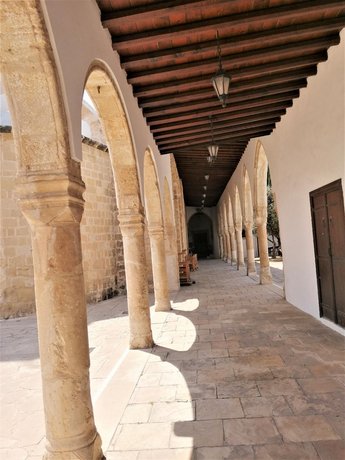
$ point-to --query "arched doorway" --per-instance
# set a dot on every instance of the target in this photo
(200, 235)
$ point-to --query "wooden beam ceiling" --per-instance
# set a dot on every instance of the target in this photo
(169, 51)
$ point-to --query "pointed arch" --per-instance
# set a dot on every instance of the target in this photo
(170, 240)
(102, 89)
(260, 182)
(231, 226)
(238, 227)
(260, 207)
(33, 90)
(248, 213)
(153, 207)
(248, 216)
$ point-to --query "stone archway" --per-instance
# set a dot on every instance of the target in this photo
(170, 240)
(231, 227)
(248, 219)
(50, 191)
(260, 210)
(178, 211)
(238, 228)
(154, 215)
(200, 234)
(101, 88)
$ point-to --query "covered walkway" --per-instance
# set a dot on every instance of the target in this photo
(236, 373)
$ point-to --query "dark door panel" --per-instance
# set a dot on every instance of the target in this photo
(328, 218)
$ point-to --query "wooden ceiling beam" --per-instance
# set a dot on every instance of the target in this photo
(230, 61)
(284, 99)
(227, 127)
(236, 74)
(246, 133)
(295, 32)
(207, 135)
(165, 129)
(232, 100)
(235, 88)
(149, 10)
(289, 11)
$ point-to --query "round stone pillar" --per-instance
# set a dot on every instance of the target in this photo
(265, 271)
(239, 244)
(261, 224)
(160, 276)
(250, 248)
(221, 246)
(233, 245)
(228, 245)
(53, 205)
(132, 227)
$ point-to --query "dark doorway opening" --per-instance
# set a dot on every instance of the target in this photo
(200, 235)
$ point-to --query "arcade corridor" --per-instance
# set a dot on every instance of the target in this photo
(236, 373)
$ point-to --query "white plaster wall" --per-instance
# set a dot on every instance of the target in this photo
(305, 152)
(79, 39)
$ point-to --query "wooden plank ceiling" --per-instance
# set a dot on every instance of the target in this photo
(169, 50)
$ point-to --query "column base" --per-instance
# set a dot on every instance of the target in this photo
(251, 269)
(265, 275)
(163, 306)
(228, 261)
(91, 452)
(141, 341)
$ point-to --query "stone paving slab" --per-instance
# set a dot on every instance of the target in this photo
(236, 373)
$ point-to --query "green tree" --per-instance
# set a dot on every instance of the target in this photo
(272, 221)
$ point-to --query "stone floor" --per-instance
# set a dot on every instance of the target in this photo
(236, 373)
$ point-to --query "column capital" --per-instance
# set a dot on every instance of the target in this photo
(52, 197)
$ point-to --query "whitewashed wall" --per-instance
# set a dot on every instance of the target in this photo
(305, 152)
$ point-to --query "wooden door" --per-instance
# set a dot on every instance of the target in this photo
(328, 217)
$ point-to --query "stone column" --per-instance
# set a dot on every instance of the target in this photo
(225, 243)
(228, 243)
(160, 276)
(233, 246)
(221, 246)
(132, 228)
(226, 248)
(171, 256)
(183, 220)
(265, 271)
(53, 205)
(250, 248)
(239, 244)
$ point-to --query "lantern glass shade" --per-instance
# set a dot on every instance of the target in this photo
(209, 159)
(207, 177)
(213, 150)
(221, 84)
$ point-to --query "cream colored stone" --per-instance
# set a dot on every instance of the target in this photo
(53, 206)
(132, 228)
